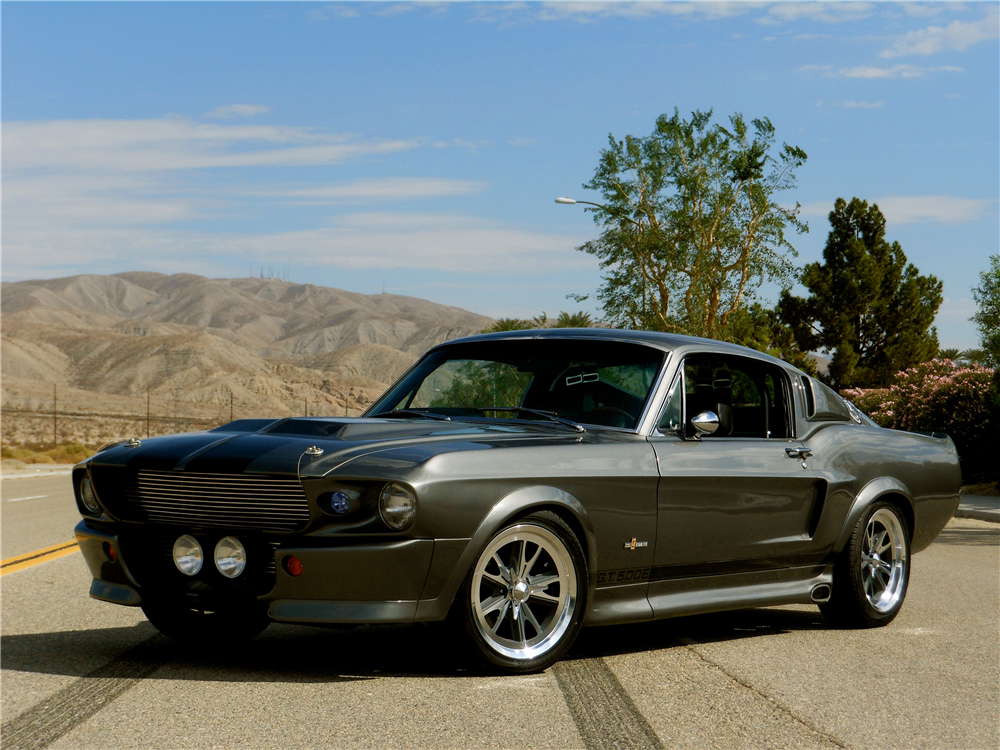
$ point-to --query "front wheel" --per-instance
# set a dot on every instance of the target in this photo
(206, 628)
(872, 573)
(524, 600)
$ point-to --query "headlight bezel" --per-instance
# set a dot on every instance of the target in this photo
(93, 506)
(398, 516)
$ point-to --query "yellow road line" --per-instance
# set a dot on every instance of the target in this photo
(14, 564)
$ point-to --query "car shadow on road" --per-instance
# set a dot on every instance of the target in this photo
(658, 635)
(300, 654)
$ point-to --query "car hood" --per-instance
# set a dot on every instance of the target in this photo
(312, 447)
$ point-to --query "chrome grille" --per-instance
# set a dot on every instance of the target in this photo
(221, 500)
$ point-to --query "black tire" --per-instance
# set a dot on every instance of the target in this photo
(539, 595)
(869, 589)
(206, 629)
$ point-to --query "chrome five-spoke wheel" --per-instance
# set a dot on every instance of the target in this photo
(524, 593)
(883, 560)
(871, 574)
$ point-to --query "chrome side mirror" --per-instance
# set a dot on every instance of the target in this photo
(705, 423)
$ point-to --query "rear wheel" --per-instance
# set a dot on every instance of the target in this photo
(872, 574)
(209, 628)
(523, 601)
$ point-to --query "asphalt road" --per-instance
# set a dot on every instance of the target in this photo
(77, 673)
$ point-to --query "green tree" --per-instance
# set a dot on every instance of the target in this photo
(574, 320)
(867, 304)
(987, 317)
(951, 354)
(760, 328)
(690, 226)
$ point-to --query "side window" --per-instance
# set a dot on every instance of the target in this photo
(672, 418)
(749, 396)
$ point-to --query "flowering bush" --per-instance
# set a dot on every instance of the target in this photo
(874, 402)
(941, 396)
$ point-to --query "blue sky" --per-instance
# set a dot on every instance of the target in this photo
(422, 145)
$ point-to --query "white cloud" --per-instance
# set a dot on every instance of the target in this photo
(238, 110)
(913, 209)
(358, 241)
(955, 36)
(862, 105)
(471, 146)
(945, 209)
(394, 188)
(870, 71)
(896, 71)
(837, 12)
(175, 143)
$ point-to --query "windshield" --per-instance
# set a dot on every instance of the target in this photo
(590, 382)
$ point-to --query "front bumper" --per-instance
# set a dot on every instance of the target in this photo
(379, 581)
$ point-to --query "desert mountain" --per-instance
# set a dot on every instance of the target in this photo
(200, 347)
(270, 317)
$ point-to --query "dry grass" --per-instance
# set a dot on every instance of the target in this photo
(65, 453)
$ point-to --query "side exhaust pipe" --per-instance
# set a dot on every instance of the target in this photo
(820, 593)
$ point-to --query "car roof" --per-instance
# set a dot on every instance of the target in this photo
(664, 341)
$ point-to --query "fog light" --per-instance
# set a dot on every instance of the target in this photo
(230, 557)
(397, 506)
(188, 555)
(89, 497)
(109, 552)
(292, 565)
(340, 503)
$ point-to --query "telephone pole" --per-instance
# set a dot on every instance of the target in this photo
(55, 415)
(147, 412)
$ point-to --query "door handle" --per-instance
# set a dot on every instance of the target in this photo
(802, 453)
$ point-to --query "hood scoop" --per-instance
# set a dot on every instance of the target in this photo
(357, 429)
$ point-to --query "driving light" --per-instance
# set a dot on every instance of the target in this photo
(188, 555)
(340, 503)
(89, 497)
(230, 557)
(397, 506)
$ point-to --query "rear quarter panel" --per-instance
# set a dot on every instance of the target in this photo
(862, 464)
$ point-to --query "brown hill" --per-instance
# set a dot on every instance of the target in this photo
(198, 348)
(270, 317)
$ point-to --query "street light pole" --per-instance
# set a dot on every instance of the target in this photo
(571, 202)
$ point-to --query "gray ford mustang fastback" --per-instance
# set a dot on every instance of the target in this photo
(523, 485)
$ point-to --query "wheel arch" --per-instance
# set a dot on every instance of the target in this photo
(517, 504)
(887, 489)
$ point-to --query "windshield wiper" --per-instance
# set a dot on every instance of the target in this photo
(547, 414)
(414, 412)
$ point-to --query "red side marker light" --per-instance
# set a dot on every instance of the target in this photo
(292, 565)
(109, 552)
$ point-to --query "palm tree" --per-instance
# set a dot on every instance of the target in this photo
(507, 324)
(541, 321)
(951, 354)
(576, 320)
(972, 357)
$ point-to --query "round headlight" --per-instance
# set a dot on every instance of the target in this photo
(230, 557)
(397, 506)
(89, 497)
(188, 555)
